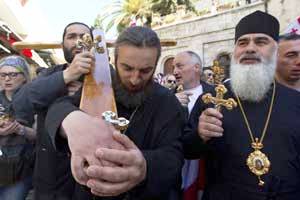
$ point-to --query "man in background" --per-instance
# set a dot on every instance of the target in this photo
(187, 71)
(288, 62)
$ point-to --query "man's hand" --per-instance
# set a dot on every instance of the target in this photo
(81, 64)
(183, 98)
(210, 124)
(85, 134)
(9, 127)
(131, 169)
(73, 87)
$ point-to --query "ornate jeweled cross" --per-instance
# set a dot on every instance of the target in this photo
(97, 97)
(219, 72)
(219, 100)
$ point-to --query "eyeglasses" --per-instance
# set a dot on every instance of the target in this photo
(11, 75)
(171, 81)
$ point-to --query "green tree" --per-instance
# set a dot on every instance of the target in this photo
(165, 7)
(121, 12)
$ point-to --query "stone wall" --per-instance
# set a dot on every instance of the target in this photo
(208, 36)
(286, 11)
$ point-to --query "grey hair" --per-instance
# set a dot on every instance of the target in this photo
(195, 59)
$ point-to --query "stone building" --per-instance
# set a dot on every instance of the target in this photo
(212, 34)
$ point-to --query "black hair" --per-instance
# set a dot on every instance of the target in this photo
(138, 36)
(74, 23)
(289, 36)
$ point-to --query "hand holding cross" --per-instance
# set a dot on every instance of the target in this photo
(219, 100)
(210, 120)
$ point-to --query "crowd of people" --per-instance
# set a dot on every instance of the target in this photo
(177, 146)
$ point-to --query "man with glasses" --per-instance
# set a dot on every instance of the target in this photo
(208, 75)
(169, 81)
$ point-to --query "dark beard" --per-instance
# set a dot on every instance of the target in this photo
(127, 99)
(68, 54)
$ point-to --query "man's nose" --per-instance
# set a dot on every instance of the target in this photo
(7, 78)
(251, 48)
(297, 60)
(175, 71)
(135, 78)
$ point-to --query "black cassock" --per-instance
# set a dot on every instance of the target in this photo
(228, 176)
(155, 127)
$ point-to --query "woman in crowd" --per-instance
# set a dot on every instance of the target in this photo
(16, 137)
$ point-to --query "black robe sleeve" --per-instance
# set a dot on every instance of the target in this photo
(57, 112)
(162, 149)
(38, 95)
(193, 145)
(165, 161)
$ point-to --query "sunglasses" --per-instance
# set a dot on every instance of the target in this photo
(171, 81)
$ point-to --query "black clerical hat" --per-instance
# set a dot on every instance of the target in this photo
(258, 22)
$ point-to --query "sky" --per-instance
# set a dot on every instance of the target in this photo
(59, 13)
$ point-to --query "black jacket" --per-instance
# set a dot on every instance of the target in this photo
(190, 139)
(51, 174)
(155, 128)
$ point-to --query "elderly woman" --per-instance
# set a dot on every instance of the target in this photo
(16, 138)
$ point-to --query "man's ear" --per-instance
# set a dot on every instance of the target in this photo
(197, 67)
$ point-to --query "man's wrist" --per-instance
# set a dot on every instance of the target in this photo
(66, 76)
(22, 131)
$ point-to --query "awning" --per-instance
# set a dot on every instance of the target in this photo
(8, 36)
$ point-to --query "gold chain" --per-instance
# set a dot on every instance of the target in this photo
(268, 117)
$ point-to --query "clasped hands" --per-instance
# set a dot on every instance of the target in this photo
(104, 160)
(8, 127)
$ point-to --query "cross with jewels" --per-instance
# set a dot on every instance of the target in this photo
(219, 100)
(258, 162)
(119, 123)
(87, 43)
(4, 115)
(218, 72)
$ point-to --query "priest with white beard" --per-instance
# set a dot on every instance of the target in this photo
(252, 151)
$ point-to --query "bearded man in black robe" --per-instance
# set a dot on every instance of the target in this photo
(253, 150)
(145, 161)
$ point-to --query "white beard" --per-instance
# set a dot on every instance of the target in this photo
(252, 82)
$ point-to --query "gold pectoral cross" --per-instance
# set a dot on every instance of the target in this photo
(219, 100)
(258, 162)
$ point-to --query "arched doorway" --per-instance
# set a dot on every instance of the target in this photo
(168, 66)
(224, 60)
